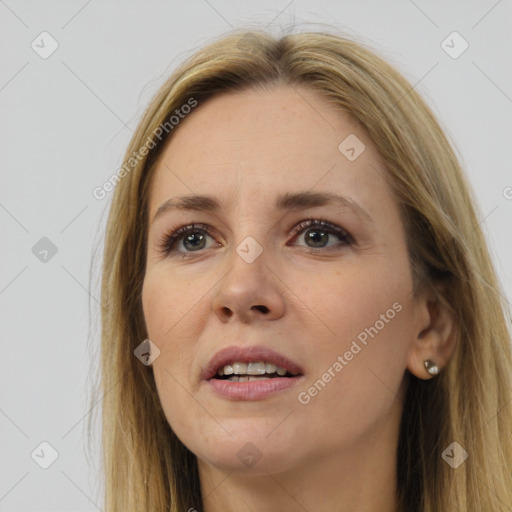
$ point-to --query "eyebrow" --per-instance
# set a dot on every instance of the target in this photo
(284, 202)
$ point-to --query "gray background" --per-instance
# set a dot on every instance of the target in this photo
(65, 121)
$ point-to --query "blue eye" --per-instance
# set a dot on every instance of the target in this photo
(193, 238)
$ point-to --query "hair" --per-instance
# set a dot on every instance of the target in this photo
(145, 465)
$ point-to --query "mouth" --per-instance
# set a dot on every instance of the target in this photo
(250, 373)
(240, 371)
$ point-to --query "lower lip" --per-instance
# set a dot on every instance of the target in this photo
(252, 390)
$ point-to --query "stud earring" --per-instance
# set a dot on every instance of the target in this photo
(431, 367)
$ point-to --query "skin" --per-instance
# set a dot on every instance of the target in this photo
(337, 452)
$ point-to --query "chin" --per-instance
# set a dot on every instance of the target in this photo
(248, 451)
(248, 459)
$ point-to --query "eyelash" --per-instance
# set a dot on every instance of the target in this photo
(167, 244)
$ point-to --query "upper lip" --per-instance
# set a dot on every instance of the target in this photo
(249, 354)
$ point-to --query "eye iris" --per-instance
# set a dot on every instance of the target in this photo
(196, 239)
(317, 237)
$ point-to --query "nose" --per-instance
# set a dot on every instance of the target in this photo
(249, 292)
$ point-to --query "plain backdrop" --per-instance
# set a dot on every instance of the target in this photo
(65, 121)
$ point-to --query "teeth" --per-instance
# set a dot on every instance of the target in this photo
(240, 368)
(270, 368)
(245, 378)
(256, 369)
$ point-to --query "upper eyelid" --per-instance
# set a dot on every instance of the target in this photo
(301, 225)
(174, 237)
(317, 222)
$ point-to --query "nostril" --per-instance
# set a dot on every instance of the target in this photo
(263, 309)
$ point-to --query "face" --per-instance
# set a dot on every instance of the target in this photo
(297, 259)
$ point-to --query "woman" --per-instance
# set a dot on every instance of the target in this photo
(301, 311)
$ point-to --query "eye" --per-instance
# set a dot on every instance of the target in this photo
(193, 238)
(187, 239)
(319, 233)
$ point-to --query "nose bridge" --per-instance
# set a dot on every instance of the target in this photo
(250, 233)
(248, 262)
(249, 288)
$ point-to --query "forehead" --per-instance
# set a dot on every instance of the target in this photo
(260, 141)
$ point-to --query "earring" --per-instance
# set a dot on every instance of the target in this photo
(431, 367)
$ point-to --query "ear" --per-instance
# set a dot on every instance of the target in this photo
(434, 333)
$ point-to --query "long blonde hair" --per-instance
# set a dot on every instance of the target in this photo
(146, 467)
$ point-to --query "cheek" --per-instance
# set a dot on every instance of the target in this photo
(171, 306)
(163, 314)
(366, 318)
(353, 299)
(171, 310)
(152, 298)
(175, 314)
